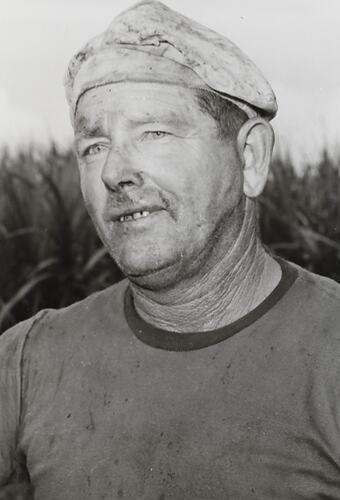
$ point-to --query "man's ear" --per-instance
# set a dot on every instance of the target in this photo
(255, 143)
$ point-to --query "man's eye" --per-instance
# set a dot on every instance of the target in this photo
(155, 134)
(94, 150)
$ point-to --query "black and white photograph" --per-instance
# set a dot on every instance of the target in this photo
(169, 250)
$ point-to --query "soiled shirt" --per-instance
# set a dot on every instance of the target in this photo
(96, 404)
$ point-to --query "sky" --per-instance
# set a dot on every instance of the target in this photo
(294, 42)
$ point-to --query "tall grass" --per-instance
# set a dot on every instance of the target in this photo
(50, 255)
(300, 215)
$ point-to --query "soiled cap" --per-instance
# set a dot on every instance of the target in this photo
(152, 43)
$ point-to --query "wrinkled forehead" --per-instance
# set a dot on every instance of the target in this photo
(137, 102)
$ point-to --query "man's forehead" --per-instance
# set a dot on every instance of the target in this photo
(138, 102)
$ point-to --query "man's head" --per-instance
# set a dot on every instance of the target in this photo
(166, 158)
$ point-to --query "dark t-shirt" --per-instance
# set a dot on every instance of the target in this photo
(96, 404)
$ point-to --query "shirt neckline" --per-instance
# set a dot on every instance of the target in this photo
(176, 341)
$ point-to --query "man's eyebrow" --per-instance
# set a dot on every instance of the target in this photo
(86, 131)
(161, 118)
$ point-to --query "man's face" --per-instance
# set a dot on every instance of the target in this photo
(158, 181)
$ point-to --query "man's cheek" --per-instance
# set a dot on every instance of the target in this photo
(93, 209)
(93, 194)
(173, 169)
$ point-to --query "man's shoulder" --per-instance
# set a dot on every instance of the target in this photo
(313, 316)
(321, 284)
(316, 288)
(94, 305)
(311, 309)
(107, 303)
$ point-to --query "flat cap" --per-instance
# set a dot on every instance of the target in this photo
(151, 42)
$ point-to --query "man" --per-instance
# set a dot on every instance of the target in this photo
(212, 371)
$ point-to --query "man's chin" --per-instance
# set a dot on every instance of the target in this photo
(152, 275)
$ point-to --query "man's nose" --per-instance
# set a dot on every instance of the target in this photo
(120, 171)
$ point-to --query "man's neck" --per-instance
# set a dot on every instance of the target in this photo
(234, 286)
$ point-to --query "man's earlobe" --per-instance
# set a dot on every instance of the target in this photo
(255, 143)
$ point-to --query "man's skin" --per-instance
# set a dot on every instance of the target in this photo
(195, 261)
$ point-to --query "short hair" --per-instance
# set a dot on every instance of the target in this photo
(228, 116)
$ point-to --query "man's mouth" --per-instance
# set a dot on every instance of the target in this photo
(134, 216)
(136, 213)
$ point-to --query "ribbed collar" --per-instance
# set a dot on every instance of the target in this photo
(175, 341)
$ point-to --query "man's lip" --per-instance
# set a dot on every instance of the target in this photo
(129, 211)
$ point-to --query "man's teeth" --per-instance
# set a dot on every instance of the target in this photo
(134, 216)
